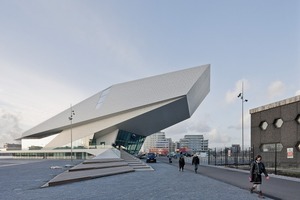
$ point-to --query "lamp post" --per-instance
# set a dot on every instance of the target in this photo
(241, 96)
(72, 113)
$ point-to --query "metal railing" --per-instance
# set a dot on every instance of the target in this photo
(273, 161)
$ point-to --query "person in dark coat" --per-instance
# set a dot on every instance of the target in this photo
(256, 169)
(181, 162)
(195, 162)
(170, 159)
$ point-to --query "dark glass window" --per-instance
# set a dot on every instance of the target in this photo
(130, 141)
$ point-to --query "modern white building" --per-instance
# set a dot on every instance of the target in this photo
(195, 143)
(156, 143)
(124, 114)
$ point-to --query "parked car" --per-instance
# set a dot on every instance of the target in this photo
(151, 157)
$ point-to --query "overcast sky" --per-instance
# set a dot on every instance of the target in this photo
(60, 52)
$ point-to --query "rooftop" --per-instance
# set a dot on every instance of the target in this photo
(275, 104)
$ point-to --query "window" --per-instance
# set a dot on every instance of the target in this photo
(103, 95)
(298, 119)
(298, 146)
(271, 147)
(263, 125)
(278, 123)
(131, 141)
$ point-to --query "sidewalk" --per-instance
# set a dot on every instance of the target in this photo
(277, 187)
(164, 182)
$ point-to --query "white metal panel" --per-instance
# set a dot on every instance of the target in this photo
(133, 95)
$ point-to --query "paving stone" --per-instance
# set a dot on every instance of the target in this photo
(24, 181)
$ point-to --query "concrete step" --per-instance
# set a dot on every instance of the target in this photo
(95, 168)
(74, 176)
(104, 160)
(134, 162)
(141, 167)
(89, 166)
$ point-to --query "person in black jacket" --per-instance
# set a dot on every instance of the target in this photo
(181, 162)
(196, 162)
(256, 169)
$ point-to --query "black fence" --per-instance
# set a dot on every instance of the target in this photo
(227, 157)
(242, 160)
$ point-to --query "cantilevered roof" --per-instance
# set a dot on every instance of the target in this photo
(158, 102)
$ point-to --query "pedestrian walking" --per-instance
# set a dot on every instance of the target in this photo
(181, 162)
(195, 162)
(256, 169)
(170, 159)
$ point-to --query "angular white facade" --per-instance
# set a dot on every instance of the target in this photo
(136, 108)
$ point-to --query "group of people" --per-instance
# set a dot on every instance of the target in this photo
(257, 168)
(195, 162)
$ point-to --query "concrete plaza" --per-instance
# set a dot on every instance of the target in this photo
(22, 179)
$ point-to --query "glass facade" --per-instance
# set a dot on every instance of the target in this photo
(53, 155)
(130, 141)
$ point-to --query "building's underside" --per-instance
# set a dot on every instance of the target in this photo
(125, 114)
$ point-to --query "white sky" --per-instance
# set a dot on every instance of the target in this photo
(56, 53)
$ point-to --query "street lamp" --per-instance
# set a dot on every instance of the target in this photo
(72, 113)
(241, 96)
